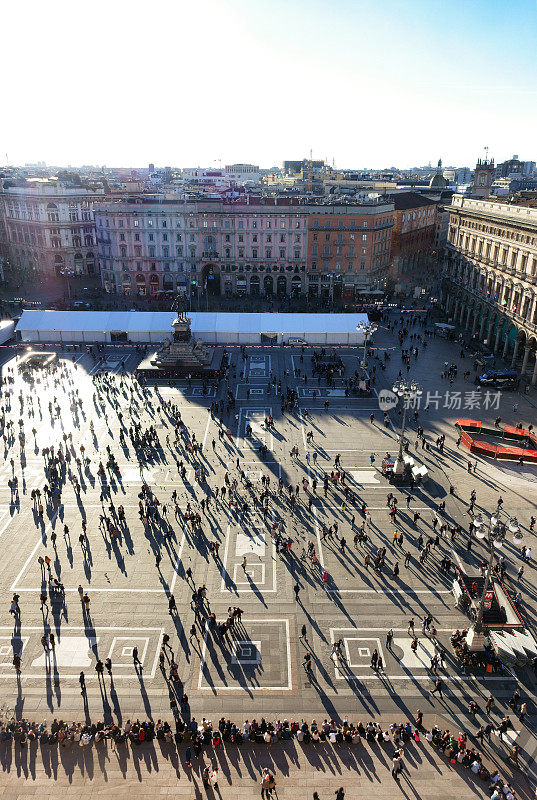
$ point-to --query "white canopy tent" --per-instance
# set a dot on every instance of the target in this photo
(213, 328)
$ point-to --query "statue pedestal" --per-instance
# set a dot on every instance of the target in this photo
(182, 356)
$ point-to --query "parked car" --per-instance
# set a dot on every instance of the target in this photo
(500, 379)
(296, 341)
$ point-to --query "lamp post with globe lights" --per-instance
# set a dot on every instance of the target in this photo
(495, 532)
(406, 392)
(368, 329)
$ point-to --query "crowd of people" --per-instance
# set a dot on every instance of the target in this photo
(198, 739)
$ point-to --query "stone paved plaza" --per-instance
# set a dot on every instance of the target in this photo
(258, 671)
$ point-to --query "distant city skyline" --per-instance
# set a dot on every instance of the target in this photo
(366, 84)
(41, 164)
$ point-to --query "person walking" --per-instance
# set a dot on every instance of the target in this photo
(438, 688)
(340, 794)
(193, 634)
(82, 682)
(214, 778)
(296, 589)
(135, 660)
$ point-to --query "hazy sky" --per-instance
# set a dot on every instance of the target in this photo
(189, 82)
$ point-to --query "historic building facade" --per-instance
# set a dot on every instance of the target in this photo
(272, 246)
(413, 236)
(150, 245)
(49, 229)
(348, 248)
(490, 277)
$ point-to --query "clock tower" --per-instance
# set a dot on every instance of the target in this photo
(483, 177)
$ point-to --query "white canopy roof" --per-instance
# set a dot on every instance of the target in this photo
(130, 321)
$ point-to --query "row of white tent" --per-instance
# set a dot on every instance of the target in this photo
(213, 328)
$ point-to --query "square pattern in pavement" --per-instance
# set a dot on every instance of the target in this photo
(129, 592)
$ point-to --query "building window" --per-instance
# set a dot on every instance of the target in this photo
(164, 237)
(314, 265)
(297, 254)
(364, 237)
(151, 237)
(268, 252)
(315, 237)
(282, 252)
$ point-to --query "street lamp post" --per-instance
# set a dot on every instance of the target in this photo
(495, 532)
(368, 330)
(68, 273)
(406, 392)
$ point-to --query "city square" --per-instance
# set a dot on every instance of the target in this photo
(129, 572)
(268, 386)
